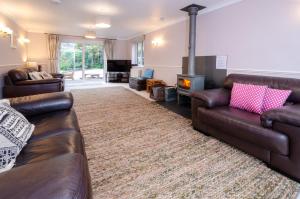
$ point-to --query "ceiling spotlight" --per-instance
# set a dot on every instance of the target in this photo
(90, 34)
(4, 30)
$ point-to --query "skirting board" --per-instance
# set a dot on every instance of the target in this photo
(288, 74)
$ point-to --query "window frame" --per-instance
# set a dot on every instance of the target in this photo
(136, 56)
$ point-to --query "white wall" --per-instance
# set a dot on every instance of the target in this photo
(121, 50)
(38, 49)
(166, 59)
(259, 37)
(11, 57)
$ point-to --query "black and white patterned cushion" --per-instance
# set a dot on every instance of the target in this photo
(15, 130)
(35, 75)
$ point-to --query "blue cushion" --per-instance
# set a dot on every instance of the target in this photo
(148, 73)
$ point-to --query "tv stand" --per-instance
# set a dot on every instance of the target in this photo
(117, 77)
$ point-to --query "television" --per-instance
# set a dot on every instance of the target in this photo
(118, 65)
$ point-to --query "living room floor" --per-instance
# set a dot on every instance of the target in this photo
(151, 152)
(183, 110)
(100, 83)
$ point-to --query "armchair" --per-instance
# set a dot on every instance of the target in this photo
(139, 83)
(17, 83)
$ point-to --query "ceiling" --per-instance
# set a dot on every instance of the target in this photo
(74, 17)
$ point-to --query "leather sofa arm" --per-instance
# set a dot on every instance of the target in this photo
(213, 98)
(57, 75)
(43, 81)
(61, 177)
(288, 115)
(43, 103)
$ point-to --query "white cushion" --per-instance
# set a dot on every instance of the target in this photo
(15, 130)
(46, 75)
(35, 76)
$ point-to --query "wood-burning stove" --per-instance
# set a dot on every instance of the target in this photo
(188, 83)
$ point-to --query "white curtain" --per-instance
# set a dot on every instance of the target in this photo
(109, 48)
(53, 44)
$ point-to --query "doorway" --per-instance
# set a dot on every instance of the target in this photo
(80, 61)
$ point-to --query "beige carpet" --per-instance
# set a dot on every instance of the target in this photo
(137, 149)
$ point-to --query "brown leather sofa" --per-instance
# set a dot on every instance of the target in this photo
(273, 137)
(17, 83)
(53, 164)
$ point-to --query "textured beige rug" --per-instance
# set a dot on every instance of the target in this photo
(137, 149)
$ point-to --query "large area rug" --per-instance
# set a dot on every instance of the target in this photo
(137, 149)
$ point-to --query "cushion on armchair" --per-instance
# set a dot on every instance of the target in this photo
(148, 74)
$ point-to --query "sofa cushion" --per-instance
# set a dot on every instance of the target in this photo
(148, 74)
(53, 123)
(51, 147)
(246, 126)
(248, 97)
(46, 75)
(275, 98)
(35, 75)
(272, 82)
(15, 130)
(18, 75)
(64, 177)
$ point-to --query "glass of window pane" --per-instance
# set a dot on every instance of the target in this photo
(94, 61)
(70, 60)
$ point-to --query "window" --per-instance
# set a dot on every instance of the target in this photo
(81, 59)
(94, 57)
(138, 53)
(70, 57)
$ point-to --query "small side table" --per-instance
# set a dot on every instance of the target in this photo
(153, 82)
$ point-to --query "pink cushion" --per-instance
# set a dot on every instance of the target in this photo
(248, 97)
(275, 98)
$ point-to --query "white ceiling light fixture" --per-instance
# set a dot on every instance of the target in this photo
(56, 1)
(103, 22)
(90, 34)
(4, 30)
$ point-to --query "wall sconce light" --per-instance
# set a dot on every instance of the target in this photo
(24, 40)
(157, 42)
(4, 30)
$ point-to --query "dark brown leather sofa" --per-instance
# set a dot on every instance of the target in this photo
(53, 164)
(17, 83)
(273, 137)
